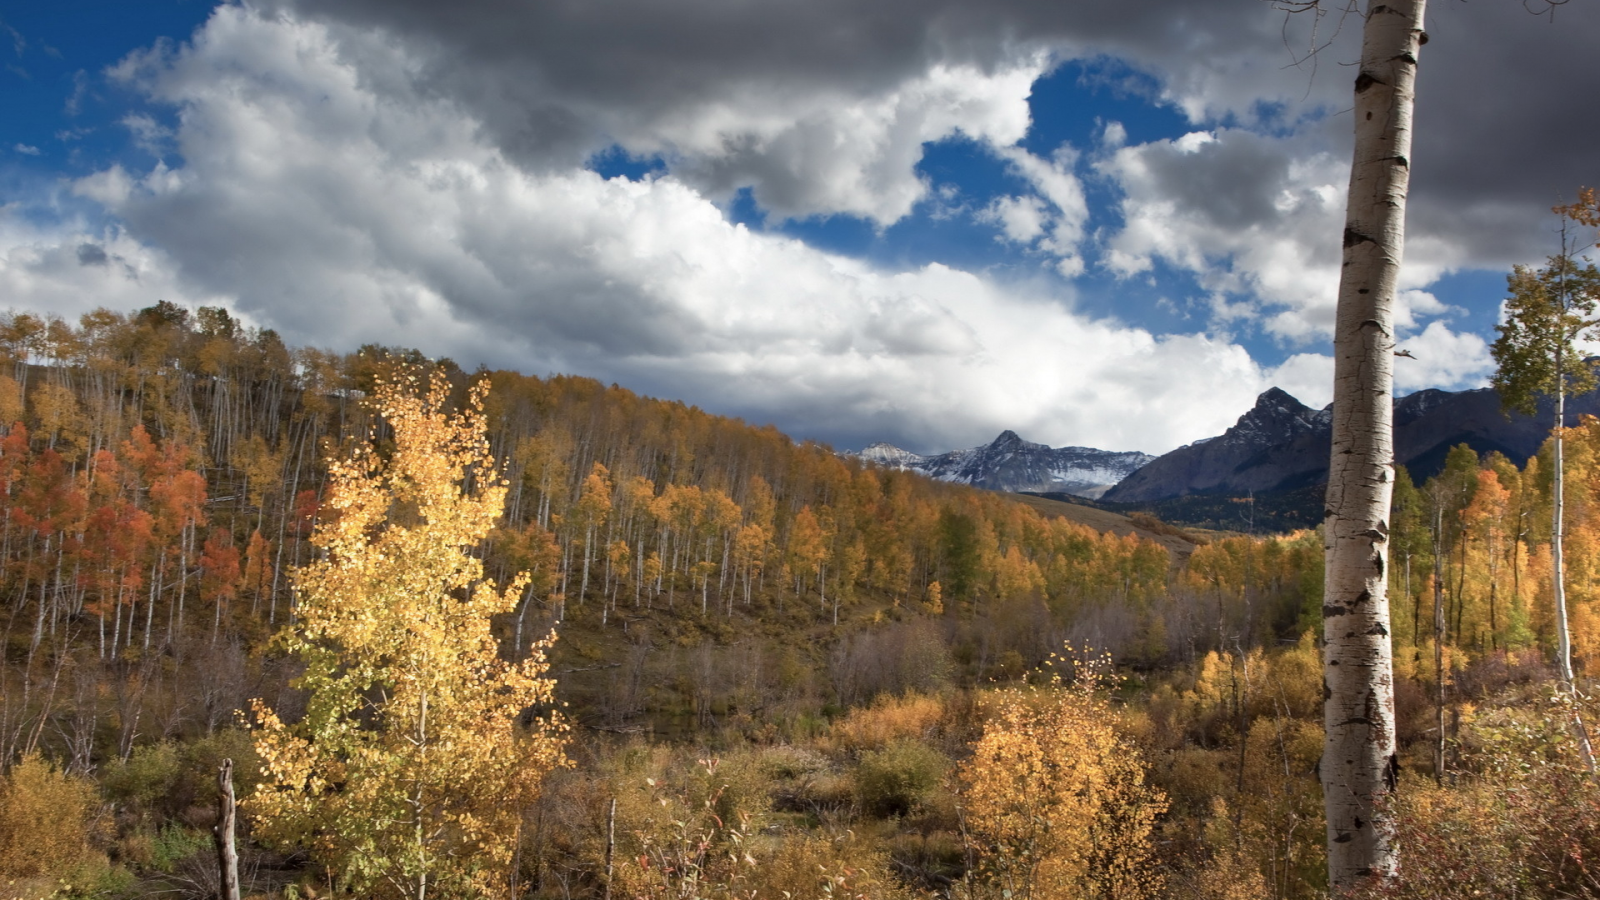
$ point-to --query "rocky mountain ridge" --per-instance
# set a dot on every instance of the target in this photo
(1009, 463)
(1281, 444)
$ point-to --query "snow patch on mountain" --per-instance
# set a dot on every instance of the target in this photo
(890, 456)
(1010, 463)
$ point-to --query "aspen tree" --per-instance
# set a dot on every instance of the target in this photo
(593, 508)
(1485, 518)
(1548, 313)
(1358, 760)
(409, 773)
(1057, 800)
(220, 574)
(807, 547)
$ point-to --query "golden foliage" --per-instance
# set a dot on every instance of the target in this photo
(844, 867)
(43, 819)
(11, 405)
(1058, 800)
(889, 719)
(60, 417)
(1231, 875)
(410, 771)
(263, 469)
(1278, 815)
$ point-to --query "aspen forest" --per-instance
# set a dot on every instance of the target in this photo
(703, 660)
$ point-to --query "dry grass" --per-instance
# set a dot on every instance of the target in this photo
(890, 719)
(1178, 542)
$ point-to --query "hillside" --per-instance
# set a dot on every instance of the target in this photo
(1177, 542)
(750, 633)
(171, 466)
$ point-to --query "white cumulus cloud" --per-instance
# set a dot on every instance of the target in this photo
(342, 207)
(1256, 219)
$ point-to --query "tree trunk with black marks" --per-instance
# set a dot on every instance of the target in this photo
(1358, 757)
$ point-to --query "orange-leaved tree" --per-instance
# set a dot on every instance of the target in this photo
(410, 771)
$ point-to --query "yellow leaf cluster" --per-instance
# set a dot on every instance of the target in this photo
(43, 819)
(410, 771)
(1058, 801)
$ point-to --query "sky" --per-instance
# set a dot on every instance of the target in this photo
(914, 221)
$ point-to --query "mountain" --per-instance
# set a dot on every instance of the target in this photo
(1282, 445)
(1010, 463)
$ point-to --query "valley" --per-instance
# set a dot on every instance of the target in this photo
(820, 658)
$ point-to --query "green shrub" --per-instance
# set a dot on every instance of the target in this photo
(204, 757)
(160, 781)
(144, 782)
(895, 780)
(95, 877)
(174, 844)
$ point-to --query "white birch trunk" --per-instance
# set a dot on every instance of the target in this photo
(1358, 757)
(1558, 575)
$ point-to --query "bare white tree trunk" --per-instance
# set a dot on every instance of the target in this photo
(1358, 758)
(1558, 576)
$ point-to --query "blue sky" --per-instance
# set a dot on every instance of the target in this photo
(56, 99)
(921, 225)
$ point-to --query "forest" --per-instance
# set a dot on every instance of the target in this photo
(688, 657)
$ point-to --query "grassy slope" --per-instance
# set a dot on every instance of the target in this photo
(1105, 521)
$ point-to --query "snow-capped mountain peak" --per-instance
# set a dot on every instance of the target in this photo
(1009, 463)
(890, 456)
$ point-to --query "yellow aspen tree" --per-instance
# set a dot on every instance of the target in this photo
(619, 557)
(263, 470)
(808, 548)
(1540, 353)
(1057, 800)
(751, 544)
(721, 518)
(1484, 522)
(258, 571)
(594, 507)
(11, 405)
(410, 771)
(60, 418)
